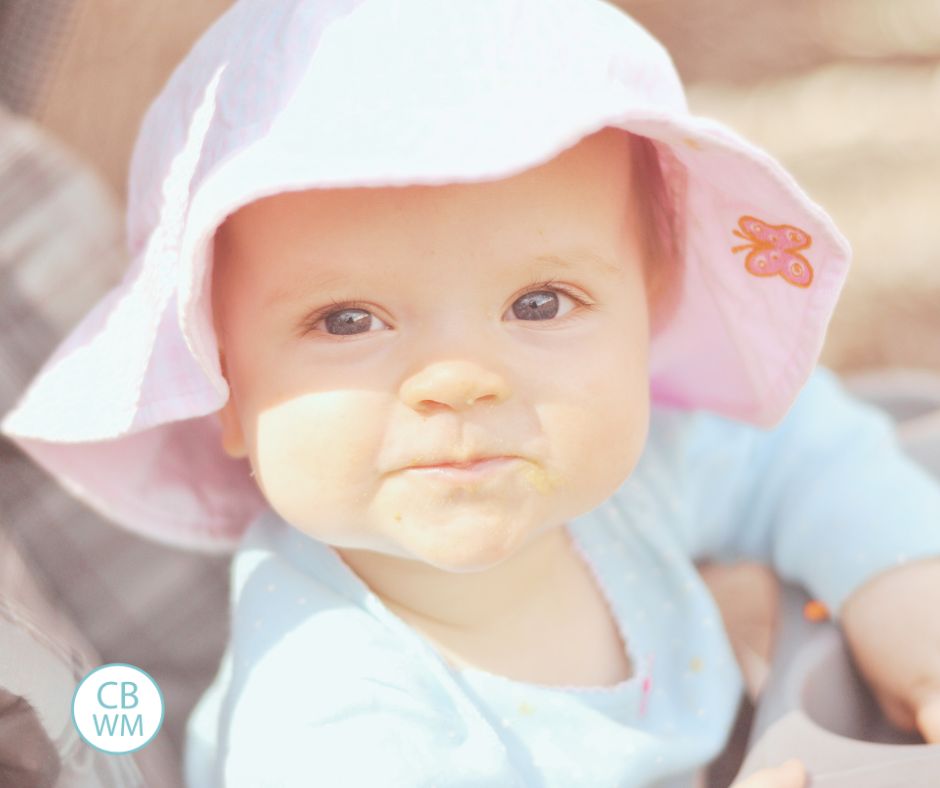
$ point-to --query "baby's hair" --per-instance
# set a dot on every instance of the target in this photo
(658, 188)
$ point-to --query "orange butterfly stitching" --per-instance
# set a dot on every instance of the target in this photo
(775, 249)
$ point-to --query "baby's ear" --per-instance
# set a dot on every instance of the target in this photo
(233, 439)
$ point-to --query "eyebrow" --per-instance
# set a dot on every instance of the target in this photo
(568, 261)
(298, 291)
(571, 259)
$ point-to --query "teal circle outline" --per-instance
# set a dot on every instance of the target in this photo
(125, 665)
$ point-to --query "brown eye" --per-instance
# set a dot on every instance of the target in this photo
(538, 305)
(350, 320)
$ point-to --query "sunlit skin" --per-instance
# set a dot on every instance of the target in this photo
(331, 422)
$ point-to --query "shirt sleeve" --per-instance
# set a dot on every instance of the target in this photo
(827, 497)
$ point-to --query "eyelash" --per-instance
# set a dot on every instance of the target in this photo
(358, 303)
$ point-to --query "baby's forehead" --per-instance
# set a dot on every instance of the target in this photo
(569, 216)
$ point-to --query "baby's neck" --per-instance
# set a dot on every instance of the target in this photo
(465, 601)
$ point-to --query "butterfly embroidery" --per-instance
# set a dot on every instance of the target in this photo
(775, 249)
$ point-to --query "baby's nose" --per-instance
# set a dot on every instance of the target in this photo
(454, 384)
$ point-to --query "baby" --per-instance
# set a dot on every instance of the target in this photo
(461, 331)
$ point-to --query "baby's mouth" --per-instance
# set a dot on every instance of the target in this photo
(465, 470)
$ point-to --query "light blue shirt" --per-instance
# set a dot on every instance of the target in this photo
(322, 685)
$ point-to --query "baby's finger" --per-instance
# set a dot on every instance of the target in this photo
(790, 774)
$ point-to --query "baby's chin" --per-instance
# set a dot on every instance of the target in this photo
(462, 541)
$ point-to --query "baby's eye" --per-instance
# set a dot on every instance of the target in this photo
(539, 304)
(350, 320)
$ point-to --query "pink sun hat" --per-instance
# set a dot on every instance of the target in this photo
(305, 94)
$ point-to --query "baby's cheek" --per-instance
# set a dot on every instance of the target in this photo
(603, 434)
(596, 448)
(314, 457)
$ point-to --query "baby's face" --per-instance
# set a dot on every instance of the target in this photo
(365, 331)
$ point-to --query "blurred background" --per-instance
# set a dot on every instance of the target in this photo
(846, 93)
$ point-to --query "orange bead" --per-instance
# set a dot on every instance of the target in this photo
(814, 610)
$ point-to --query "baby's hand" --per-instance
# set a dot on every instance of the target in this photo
(892, 626)
(789, 775)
